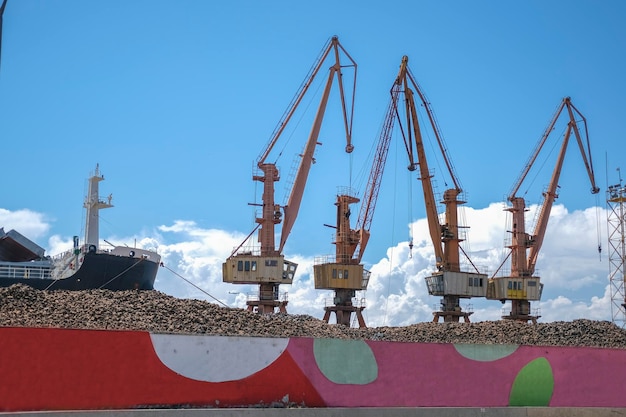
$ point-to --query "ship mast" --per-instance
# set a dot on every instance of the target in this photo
(94, 204)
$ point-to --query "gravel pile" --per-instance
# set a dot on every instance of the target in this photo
(153, 311)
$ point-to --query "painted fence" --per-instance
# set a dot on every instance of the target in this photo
(62, 369)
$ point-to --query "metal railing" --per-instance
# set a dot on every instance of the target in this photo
(25, 271)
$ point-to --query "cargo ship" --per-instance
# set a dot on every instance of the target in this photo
(83, 267)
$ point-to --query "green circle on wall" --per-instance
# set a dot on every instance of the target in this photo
(533, 385)
(345, 361)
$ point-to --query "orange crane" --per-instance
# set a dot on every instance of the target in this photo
(448, 281)
(266, 265)
(522, 286)
(345, 274)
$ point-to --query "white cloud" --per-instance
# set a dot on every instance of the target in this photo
(58, 244)
(29, 223)
(575, 279)
(196, 255)
(565, 309)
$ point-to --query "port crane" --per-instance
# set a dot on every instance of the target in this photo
(265, 265)
(448, 280)
(344, 274)
(522, 286)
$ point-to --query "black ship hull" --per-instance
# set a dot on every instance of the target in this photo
(99, 271)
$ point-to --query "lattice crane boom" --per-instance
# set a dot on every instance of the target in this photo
(345, 274)
(370, 197)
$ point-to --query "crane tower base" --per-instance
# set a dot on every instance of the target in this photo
(344, 307)
(451, 316)
(268, 300)
(522, 317)
(264, 307)
(520, 311)
(344, 315)
(451, 311)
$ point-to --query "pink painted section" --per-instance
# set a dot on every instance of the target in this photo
(436, 375)
(428, 375)
(53, 369)
(587, 377)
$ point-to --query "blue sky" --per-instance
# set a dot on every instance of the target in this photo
(175, 101)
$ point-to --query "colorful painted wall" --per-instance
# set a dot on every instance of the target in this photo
(56, 369)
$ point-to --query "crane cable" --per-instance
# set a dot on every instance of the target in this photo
(194, 285)
(410, 215)
(296, 162)
(121, 273)
(606, 175)
(298, 122)
(426, 133)
(350, 164)
(293, 101)
(598, 226)
(505, 254)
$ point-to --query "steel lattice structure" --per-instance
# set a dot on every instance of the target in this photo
(616, 219)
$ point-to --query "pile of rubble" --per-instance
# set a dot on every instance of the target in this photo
(153, 311)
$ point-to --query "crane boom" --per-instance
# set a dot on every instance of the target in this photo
(370, 197)
(522, 286)
(522, 265)
(436, 130)
(425, 177)
(345, 274)
(444, 237)
(295, 198)
(268, 268)
(448, 280)
(551, 193)
(332, 44)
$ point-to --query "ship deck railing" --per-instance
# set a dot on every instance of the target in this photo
(25, 270)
